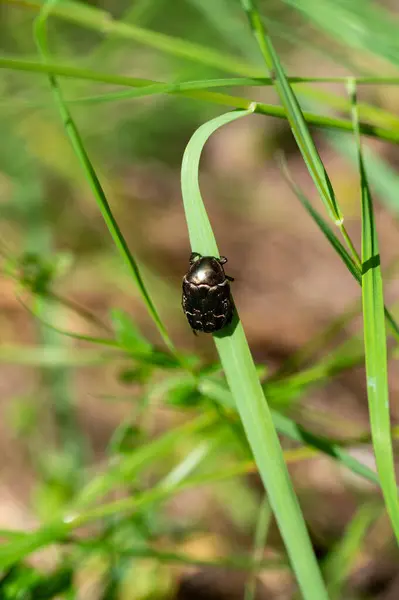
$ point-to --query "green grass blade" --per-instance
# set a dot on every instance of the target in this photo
(245, 387)
(367, 26)
(261, 531)
(92, 179)
(323, 225)
(51, 357)
(193, 90)
(336, 244)
(129, 467)
(103, 23)
(383, 177)
(294, 112)
(375, 343)
(287, 427)
(297, 122)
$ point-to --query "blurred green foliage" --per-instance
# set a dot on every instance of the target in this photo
(110, 513)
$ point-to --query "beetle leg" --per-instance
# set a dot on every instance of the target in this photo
(194, 332)
(194, 256)
(223, 260)
(229, 278)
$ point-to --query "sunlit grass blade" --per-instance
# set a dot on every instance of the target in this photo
(92, 179)
(383, 177)
(294, 112)
(336, 244)
(103, 22)
(245, 386)
(262, 528)
(323, 225)
(56, 530)
(228, 562)
(375, 342)
(298, 123)
(77, 336)
(189, 90)
(51, 357)
(127, 468)
(361, 24)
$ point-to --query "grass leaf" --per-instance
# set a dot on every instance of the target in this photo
(336, 244)
(91, 176)
(375, 342)
(245, 386)
(298, 123)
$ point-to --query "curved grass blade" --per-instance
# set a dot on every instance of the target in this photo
(91, 176)
(245, 386)
(375, 342)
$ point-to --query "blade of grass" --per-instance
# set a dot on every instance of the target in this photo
(336, 244)
(367, 26)
(60, 529)
(375, 343)
(50, 357)
(128, 467)
(321, 121)
(261, 531)
(383, 177)
(244, 384)
(298, 124)
(103, 22)
(92, 179)
(287, 427)
(228, 562)
(77, 336)
(150, 356)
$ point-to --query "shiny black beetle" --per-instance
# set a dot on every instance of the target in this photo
(207, 303)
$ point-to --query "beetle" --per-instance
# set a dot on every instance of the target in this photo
(206, 301)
